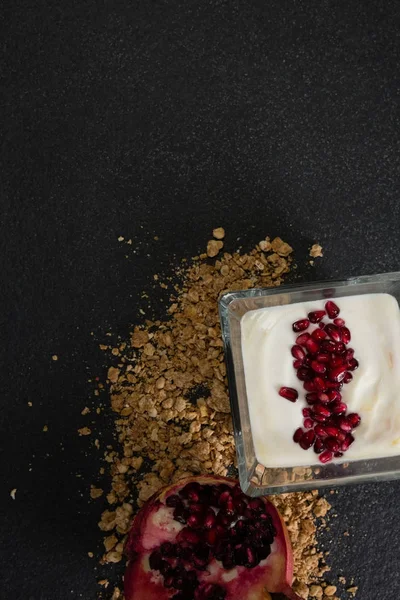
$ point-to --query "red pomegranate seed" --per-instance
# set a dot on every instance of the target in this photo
(320, 431)
(348, 377)
(320, 384)
(336, 361)
(306, 412)
(318, 335)
(338, 408)
(318, 367)
(297, 364)
(308, 423)
(316, 315)
(352, 364)
(323, 357)
(322, 325)
(331, 431)
(334, 385)
(346, 335)
(298, 434)
(334, 395)
(332, 444)
(328, 346)
(300, 325)
(311, 398)
(307, 439)
(332, 309)
(301, 339)
(347, 442)
(341, 436)
(340, 348)
(318, 446)
(325, 457)
(339, 322)
(320, 409)
(333, 332)
(312, 346)
(307, 360)
(289, 393)
(320, 418)
(324, 398)
(338, 454)
(304, 374)
(209, 519)
(354, 419)
(298, 352)
(345, 424)
(309, 386)
(337, 374)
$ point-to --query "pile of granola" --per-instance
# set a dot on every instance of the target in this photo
(169, 393)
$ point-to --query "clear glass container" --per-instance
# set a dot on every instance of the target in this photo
(256, 479)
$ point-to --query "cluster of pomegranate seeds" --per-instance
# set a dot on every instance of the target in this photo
(324, 364)
(220, 522)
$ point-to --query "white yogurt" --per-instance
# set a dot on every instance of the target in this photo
(374, 392)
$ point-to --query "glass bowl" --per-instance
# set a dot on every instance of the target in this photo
(255, 478)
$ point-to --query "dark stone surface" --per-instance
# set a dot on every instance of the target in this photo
(168, 118)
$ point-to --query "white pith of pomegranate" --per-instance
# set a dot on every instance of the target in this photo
(228, 546)
(324, 364)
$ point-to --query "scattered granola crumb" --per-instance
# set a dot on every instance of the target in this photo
(219, 233)
(316, 591)
(95, 492)
(84, 431)
(265, 245)
(280, 247)
(85, 411)
(104, 582)
(121, 238)
(117, 594)
(342, 580)
(13, 492)
(90, 554)
(45, 428)
(330, 590)
(54, 357)
(30, 404)
(213, 248)
(352, 590)
(346, 533)
(316, 250)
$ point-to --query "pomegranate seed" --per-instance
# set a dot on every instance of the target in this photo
(336, 361)
(320, 409)
(338, 408)
(347, 442)
(318, 367)
(318, 335)
(306, 412)
(332, 309)
(322, 325)
(316, 316)
(307, 360)
(304, 374)
(323, 357)
(349, 354)
(328, 346)
(320, 418)
(333, 432)
(209, 519)
(297, 364)
(188, 535)
(354, 419)
(338, 454)
(301, 339)
(340, 348)
(312, 346)
(347, 377)
(195, 521)
(307, 439)
(308, 423)
(337, 374)
(334, 385)
(346, 335)
(339, 322)
(318, 446)
(334, 395)
(298, 352)
(301, 325)
(352, 364)
(332, 444)
(309, 386)
(320, 431)
(311, 398)
(333, 332)
(320, 384)
(345, 424)
(324, 398)
(298, 434)
(289, 393)
(341, 436)
(325, 457)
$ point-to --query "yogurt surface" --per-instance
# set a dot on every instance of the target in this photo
(374, 392)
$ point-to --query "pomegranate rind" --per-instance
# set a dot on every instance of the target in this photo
(273, 574)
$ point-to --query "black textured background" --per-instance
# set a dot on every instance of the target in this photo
(170, 117)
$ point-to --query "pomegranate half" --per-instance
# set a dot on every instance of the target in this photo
(203, 539)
